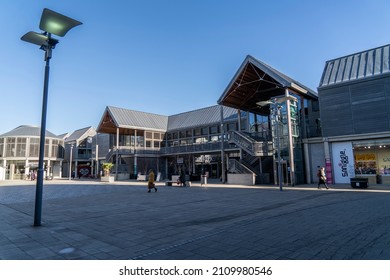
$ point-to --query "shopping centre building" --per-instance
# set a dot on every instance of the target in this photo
(354, 94)
(261, 113)
(266, 128)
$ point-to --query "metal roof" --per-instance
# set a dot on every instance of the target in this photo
(81, 134)
(201, 117)
(27, 131)
(125, 118)
(358, 66)
(256, 81)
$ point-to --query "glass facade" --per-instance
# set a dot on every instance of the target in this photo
(19, 155)
(372, 157)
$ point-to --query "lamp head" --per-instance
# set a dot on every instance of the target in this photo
(55, 23)
(40, 39)
(263, 103)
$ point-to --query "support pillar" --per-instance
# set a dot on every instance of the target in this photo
(222, 150)
(290, 142)
(117, 153)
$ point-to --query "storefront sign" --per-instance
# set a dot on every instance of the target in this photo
(343, 162)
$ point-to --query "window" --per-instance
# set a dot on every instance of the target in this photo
(315, 105)
(148, 135)
(148, 144)
(197, 132)
(21, 147)
(205, 131)
(214, 129)
(1, 146)
(182, 134)
(10, 147)
(189, 133)
(156, 135)
(34, 147)
(156, 144)
(200, 140)
(47, 147)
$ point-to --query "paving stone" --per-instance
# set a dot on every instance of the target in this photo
(121, 221)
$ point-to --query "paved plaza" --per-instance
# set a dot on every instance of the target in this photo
(121, 221)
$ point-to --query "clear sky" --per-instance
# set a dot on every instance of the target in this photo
(170, 56)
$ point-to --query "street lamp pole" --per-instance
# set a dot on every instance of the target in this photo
(39, 186)
(51, 23)
(70, 161)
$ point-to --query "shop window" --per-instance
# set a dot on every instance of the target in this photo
(372, 157)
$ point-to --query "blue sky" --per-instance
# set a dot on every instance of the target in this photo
(171, 56)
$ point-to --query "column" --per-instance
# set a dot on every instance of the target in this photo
(117, 153)
(290, 142)
(328, 162)
(222, 150)
(239, 127)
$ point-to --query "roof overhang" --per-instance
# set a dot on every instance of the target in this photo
(107, 123)
(256, 81)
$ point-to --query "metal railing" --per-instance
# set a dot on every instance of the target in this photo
(195, 148)
(234, 166)
(250, 145)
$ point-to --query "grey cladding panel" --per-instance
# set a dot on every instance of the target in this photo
(336, 115)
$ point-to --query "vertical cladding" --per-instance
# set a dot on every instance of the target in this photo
(356, 108)
(357, 66)
(336, 115)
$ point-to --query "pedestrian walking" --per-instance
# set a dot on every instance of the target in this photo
(151, 184)
(321, 178)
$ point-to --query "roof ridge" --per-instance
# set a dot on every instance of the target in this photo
(195, 110)
(356, 53)
(138, 111)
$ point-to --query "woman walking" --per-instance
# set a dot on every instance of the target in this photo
(151, 184)
(321, 178)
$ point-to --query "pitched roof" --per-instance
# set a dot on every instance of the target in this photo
(357, 66)
(28, 131)
(200, 117)
(257, 81)
(125, 118)
(81, 134)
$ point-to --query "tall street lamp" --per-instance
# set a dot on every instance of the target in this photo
(275, 111)
(70, 160)
(57, 24)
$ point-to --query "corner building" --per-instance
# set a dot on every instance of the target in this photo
(354, 94)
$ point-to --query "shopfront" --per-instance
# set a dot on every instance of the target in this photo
(365, 158)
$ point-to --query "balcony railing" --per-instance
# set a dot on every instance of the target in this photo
(196, 148)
